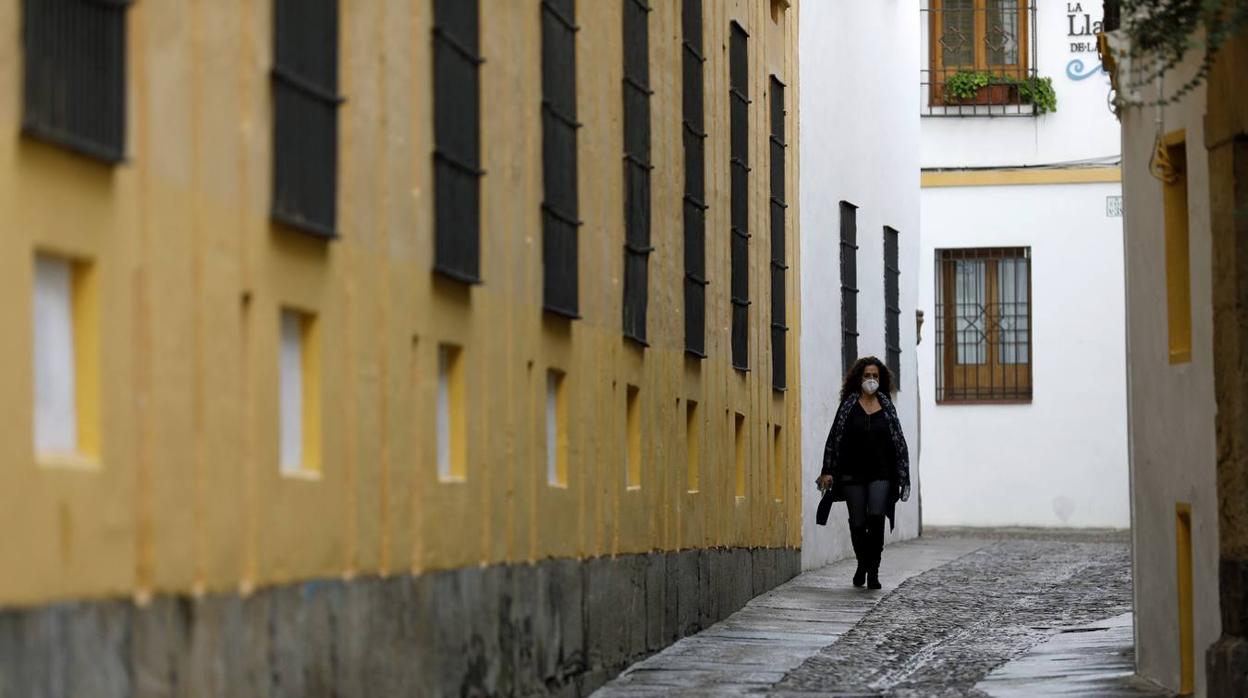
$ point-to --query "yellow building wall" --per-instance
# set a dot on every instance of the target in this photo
(191, 275)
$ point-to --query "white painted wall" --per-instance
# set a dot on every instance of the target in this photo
(1060, 460)
(859, 114)
(1172, 430)
(1082, 128)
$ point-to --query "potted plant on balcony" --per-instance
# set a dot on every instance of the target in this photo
(981, 88)
(977, 88)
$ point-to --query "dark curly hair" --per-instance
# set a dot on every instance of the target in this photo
(853, 379)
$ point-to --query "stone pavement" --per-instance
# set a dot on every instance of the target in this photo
(1089, 660)
(963, 613)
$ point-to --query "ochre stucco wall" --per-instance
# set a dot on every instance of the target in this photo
(187, 495)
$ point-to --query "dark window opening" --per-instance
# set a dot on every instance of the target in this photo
(694, 139)
(305, 114)
(457, 139)
(892, 305)
(983, 325)
(636, 167)
(849, 285)
(74, 82)
(739, 165)
(560, 206)
(779, 324)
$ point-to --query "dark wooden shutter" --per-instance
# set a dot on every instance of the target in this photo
(739, 165)
(305, 114)
(636, 167)
(75, 75)
(560, 207)
(457, 139)
(779, 325)
(892, 305)
(694, 138)
(849, 285)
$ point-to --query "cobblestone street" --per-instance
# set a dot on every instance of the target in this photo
(963, 613)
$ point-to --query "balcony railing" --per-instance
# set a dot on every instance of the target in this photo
(986, 43)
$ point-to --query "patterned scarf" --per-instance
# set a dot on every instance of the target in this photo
(833, 446)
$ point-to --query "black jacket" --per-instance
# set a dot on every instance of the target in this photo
(832, 464)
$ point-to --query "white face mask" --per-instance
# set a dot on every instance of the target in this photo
(870, 385)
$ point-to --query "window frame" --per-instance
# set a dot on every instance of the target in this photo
(560, 188)
(997, 99)
(849, 285)
(892, 303)
(457, 242)
(964, 383)
(693, 121)
(295, 169)
(94, 128)
(739, 175)
(779, 257)
(636, 95)
(979, 41)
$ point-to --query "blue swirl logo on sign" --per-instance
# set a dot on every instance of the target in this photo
(1077, 70)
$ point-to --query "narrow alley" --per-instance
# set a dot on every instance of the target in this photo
(629, 348)
(963, 613)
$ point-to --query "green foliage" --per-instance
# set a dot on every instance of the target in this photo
(1036, 91)
(965, 84)
(1039, 93)
(1161, 32)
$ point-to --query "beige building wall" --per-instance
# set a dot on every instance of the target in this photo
(1172, 409)
(189, 274)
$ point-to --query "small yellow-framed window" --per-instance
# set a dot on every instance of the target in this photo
(556, 428)
(452, 414)
(693, 445)
(739, 448)
(632, 434)
(1178, 249)
(777, 473)
(65, 356)
(1183, 582)
(299, 401)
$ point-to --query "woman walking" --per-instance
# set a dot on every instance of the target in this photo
(866, 463)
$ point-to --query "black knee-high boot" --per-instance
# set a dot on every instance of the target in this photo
(858, 536)
(875, 544)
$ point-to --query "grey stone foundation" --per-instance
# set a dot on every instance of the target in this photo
(560, 627)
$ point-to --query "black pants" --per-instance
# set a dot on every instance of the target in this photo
(868, 499)
(867, 504)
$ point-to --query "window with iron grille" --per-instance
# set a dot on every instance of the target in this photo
(636, 166)
(305, 114)
(75, 75)
(779, 325)
(560, 206)
(457, 139)
(985, 36)
(739, 165)
(892, 305)
(694, 137)
(849, 285)
(983, 325)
